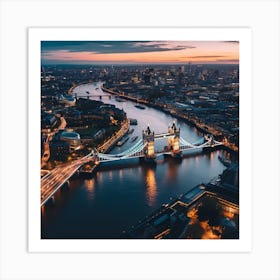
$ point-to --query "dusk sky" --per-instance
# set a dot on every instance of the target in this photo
(139, 52)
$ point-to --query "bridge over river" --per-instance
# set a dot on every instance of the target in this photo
(144, 149)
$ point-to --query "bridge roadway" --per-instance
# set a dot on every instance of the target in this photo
(163, 135)
(51, 182)
(139, 154)
(124, 96)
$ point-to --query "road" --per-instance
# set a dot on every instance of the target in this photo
(58, 176)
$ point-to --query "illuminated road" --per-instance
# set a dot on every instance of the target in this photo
(58, 176)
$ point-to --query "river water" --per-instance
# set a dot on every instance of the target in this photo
(119, 195)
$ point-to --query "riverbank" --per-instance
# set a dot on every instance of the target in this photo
(226, 146)
(109, 144)
(175, 219)
(103, 148)
(229, 147)
(70, 90)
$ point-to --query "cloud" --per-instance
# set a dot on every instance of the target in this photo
(106, 47)
(186, 47)
(89, 62)
(231, 42)
(233, 61)
(206, 56)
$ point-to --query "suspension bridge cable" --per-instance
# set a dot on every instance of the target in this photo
(139, 143)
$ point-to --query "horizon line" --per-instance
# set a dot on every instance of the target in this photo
(120, 64)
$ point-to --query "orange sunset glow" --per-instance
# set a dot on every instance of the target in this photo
(141, 52)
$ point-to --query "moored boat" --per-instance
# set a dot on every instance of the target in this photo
(140, 106)
(133, 122)
(119, 99)
(121, 142)
(134, 138)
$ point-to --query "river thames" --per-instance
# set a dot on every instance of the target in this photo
(119, 195)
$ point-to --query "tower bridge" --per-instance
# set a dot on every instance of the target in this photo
(144, 148)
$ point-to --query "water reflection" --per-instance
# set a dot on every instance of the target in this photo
(43, 211)
(89, 185)
(110, 175)
(151, 185)
(172, 170)
(211, 157)
(99, 176)
(121, 174)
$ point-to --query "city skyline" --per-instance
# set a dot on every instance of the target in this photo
(139, 52)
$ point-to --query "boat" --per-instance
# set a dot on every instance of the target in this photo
(134, 138)
(131, 131)
(121, 142)
(133, 122)
(140, 107)
(119, 99)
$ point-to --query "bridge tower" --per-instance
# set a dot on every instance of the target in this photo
(211, 143)
(210, 138)
(174, 141)
(149, 143)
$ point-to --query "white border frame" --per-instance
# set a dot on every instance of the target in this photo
(243, 35)
(263, 16)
